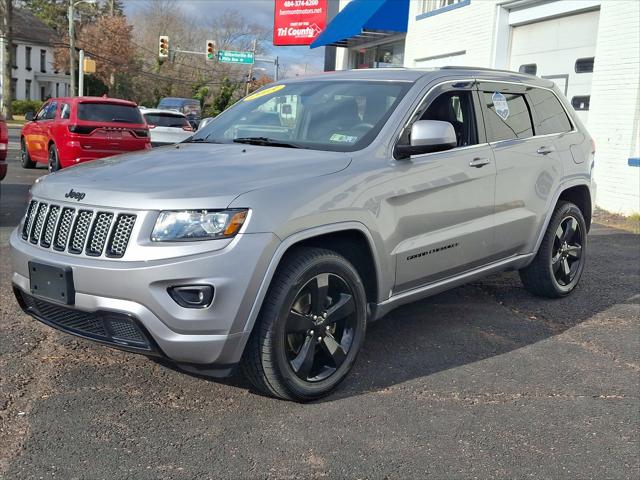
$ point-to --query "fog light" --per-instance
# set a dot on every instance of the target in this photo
(192, 296)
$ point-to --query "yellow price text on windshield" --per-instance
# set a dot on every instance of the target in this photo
(264, 92)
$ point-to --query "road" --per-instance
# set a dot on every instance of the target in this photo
(484, 381)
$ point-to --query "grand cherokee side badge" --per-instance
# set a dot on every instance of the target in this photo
(76, 195)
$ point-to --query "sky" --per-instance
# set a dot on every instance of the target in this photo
(298, 60)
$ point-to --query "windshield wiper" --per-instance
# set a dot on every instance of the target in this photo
(200, 140)
(266, 141)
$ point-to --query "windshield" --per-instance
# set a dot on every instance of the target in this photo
(323, 115)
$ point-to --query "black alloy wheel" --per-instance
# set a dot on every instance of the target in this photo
(54, 159)
(311, 326)
(558, 265)
(320, 328)
(25, 158)
(567, 251)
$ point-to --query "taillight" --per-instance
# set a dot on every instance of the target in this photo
(187, 128)
(142, 133)
(81, 129)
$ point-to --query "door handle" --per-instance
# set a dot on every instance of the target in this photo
(545, 150)
(479, 162)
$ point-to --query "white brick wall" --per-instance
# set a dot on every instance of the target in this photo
(469, 28)
(614, 115)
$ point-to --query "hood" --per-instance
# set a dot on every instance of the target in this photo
(190, 176)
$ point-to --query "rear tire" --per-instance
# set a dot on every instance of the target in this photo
(54, 159)
(558, 265)
(25, 158)
(295, 351)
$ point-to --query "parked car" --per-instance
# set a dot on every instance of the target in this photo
(271, 245)
(189, 106)
(166, 126)
(68, 131)
(203, 123)
(4, 147)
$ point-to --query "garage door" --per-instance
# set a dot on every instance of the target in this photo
(562, 50)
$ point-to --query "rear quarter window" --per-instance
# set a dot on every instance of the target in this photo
(550, 116)
(109, 112)
(512, 122)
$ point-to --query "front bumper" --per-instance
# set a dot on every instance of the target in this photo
(138, 289)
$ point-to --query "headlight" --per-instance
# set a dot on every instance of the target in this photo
(197, 225)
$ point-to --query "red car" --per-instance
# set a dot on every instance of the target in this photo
(68, 131)
(4, 145)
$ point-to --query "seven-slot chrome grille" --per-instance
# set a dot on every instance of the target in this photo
(77, 231)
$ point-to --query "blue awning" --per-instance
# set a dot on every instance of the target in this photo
(364, 21)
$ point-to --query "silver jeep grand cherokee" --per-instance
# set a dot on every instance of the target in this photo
(314, 206)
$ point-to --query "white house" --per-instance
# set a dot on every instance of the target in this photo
(590, 48)
(33, 74)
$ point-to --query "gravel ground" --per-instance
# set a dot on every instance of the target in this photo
(484, 381)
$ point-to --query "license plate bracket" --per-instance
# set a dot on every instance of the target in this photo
(52, 282)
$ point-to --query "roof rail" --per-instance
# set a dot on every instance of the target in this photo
(484, 69)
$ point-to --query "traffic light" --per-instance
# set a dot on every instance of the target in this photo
(163, 47)
(211, 47)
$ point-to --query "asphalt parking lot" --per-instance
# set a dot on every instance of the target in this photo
(484, 381)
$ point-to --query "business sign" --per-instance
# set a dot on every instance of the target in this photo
(229, 56)
(298, 22)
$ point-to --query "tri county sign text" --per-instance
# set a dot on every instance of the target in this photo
(298, 22)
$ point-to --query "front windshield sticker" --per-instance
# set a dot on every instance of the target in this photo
(338, 137)
(500, 104)
(264, 92)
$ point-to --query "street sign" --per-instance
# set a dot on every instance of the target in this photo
(229, 56)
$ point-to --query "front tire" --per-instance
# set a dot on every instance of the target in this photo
(54, 159)
(25, 158)
(558, 265)
(310, 329)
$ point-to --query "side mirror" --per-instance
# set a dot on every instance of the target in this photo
(29, 116)
(429, 136)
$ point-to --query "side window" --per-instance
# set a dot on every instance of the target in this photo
(550, 116)
(65, 111)
(42, 112)
(50, 111)
(507, 116)
(457, 109)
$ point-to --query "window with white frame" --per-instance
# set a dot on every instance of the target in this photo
(427, 6)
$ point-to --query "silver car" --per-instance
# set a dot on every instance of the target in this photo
(312, 207)
(166, 127)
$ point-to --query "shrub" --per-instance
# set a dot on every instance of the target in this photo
(20, 107)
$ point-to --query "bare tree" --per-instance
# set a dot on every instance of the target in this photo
(6, 11)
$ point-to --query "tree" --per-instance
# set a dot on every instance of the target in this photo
(108, 42)
(6, 9)
(224, 98)
(52, 12)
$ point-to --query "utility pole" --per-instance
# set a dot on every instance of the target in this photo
(72, 50)
(6, 34)
(250, 79)
(81, 73)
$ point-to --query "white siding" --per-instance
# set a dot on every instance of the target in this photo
(615, 106)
